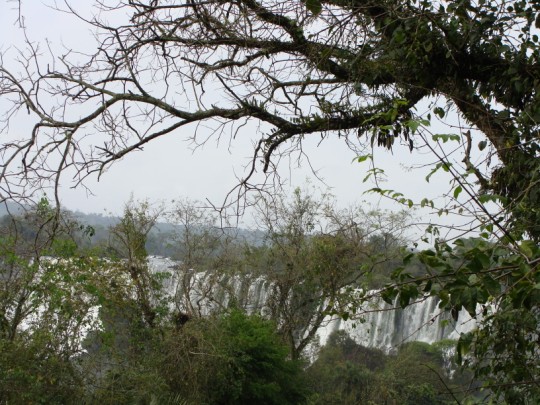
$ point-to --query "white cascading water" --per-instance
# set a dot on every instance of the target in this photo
(386, 327)
(377, 324)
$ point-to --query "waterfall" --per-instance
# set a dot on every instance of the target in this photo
(384, 326)
(377, 324)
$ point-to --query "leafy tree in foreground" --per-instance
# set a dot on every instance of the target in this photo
(348, 373)
(199, 244)
(248, 363)
(357, 69)
(46, 306)
(316, 258)
(129, 238)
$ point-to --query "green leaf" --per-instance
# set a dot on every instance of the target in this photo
(433, 171)
(446, 137)
(484, 198)
(482, 145)
(389, 295)
(469, 300)
(415, 124)
(529, 248)
(377, 190)
(491, 285)
(439, 112)
(408, 292)
(407, 259)
(373, 172)
(314, 6)
(399, 35)
(483, 259)
(363, 158)
(464, 346)
(457, 191)
(428, 202)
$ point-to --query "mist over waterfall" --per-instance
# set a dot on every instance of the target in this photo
(376, 324)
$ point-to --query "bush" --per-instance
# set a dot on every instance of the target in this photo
(233, 359)
(30, 373)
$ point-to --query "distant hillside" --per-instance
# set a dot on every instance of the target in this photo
(10, 208)
(159, 242)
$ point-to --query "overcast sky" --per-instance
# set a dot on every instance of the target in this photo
(169, 168)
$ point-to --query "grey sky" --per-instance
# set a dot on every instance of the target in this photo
(169, 168)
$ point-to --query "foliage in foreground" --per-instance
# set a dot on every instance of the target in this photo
(229, 359)
(360, 70)
(136, 348)
(418, 373)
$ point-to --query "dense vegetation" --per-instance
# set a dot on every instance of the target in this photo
(369, 72)
(418, 373)
(90, 322)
